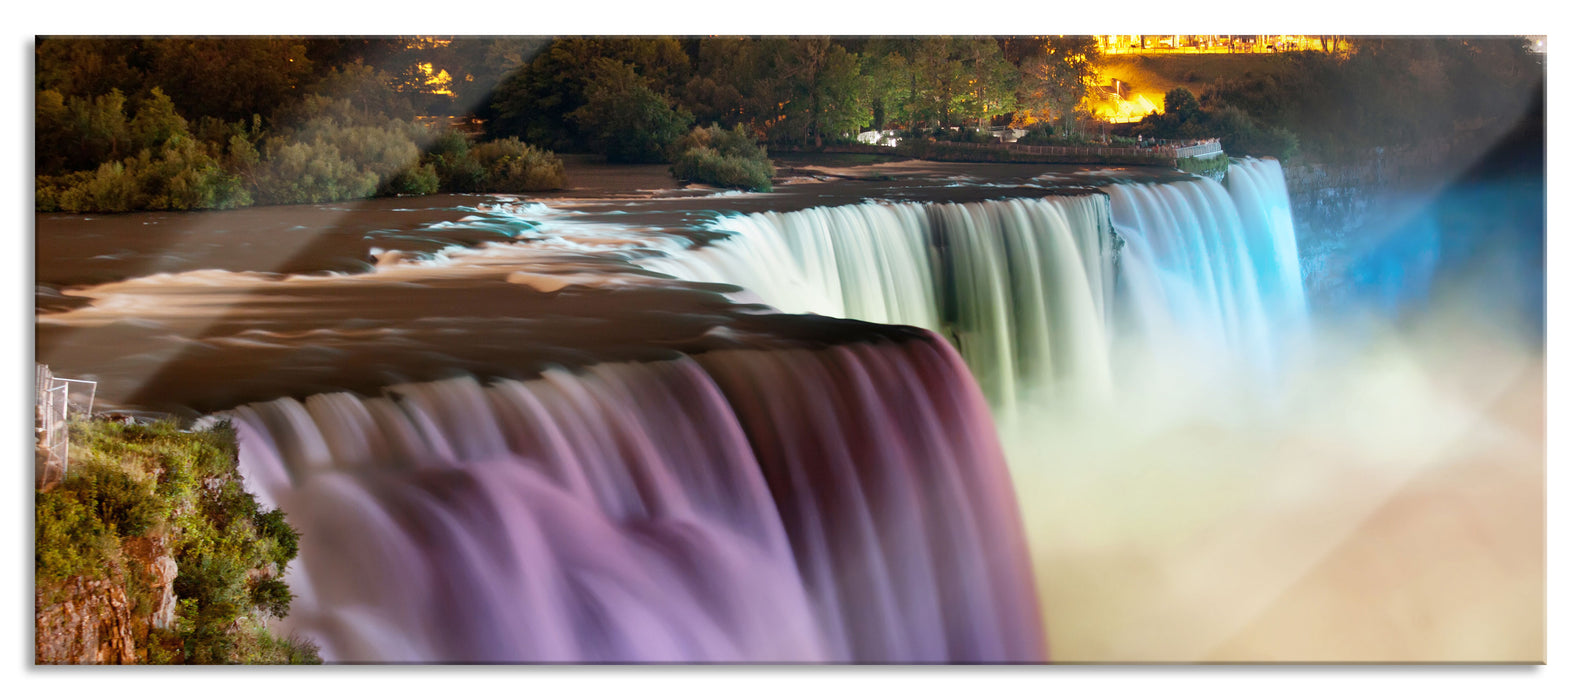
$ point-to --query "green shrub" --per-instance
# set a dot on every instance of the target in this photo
(965, 135)
(1204, 166)
(534, 172)
(708, 166)
(255, 645)
(509, 166)
(68, 538)
(125, 506)
(47, 191)
(414, 179)
(460, 173)
(213, 593)
(725, 158)
(1180, 100)
(296, 172)
(129, 480)
(110, 188)
(1047, 134)
(181, 176)
(271, 596)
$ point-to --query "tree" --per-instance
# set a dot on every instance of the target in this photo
(1056, 80)
(1180, 100)
(991, 78)
(735, 83)
(534, 102)
(941, 80)
(369, 91)
(487, 64)
(97, 131)
(825, 87)
(230, 78)
(891, 88)
(626, 120)
(78, 67)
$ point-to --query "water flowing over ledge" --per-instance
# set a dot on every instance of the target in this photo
(713, 481)
(1048, 300)
(844, 504)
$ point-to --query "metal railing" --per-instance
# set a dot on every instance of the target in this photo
(1159, 148)
(55, 405)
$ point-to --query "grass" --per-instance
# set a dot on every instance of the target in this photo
(1204, 166)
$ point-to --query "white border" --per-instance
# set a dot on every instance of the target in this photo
(1558, 679)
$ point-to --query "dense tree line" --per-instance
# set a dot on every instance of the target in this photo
(182, 123)
(804, 91)
(195, 123)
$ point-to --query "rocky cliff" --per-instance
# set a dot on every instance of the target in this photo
(1329, 207)
(107, 621)
(89, 622)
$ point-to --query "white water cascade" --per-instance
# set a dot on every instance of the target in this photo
(845, 504)
(1053, 299)
(1021, 286)
(1210, 271)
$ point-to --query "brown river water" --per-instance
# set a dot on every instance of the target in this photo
(194, 312)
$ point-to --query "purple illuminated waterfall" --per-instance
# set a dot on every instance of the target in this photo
(848, 503)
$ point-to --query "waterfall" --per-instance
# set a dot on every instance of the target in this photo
(1021, 286)
(781, 501)
(843, 504)
(1046, 299)
(1210, 271)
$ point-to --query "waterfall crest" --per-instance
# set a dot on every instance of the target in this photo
(1048, 300)
(1021, 286)
(742, 506)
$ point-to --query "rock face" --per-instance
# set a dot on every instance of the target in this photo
(1330, 207)
(90, 623)
(158, 570)
(94, 621)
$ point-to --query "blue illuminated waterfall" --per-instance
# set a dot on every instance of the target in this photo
(1036, 293)
(1211, 270)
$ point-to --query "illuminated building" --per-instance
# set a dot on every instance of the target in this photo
(1218, 43)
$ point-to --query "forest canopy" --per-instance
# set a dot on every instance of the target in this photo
(197, 123)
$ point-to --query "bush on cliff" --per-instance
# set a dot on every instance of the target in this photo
(129, 481)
